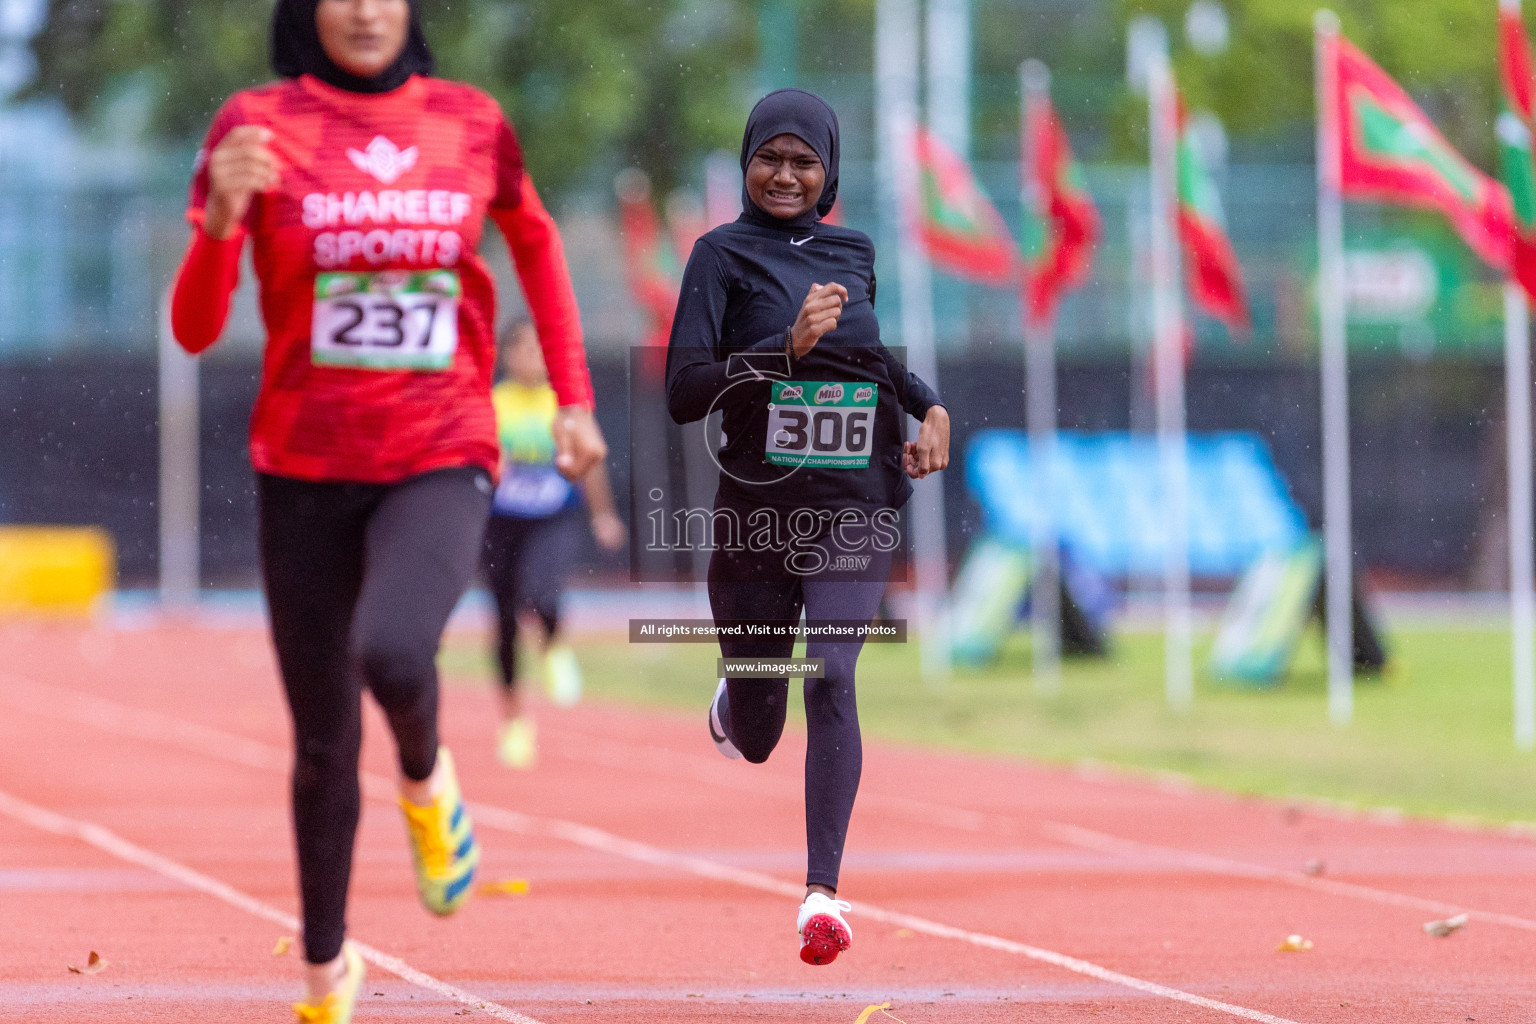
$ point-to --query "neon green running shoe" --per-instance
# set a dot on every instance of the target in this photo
(517, 743)
(562, 675)
(443, 846)
(336, 1007)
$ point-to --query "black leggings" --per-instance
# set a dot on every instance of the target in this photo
(526, 564)
(746, 585)
(360, 581)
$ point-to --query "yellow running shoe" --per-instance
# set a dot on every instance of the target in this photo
(562, 676)
(337, 1007)
(443, 845)
(517, 743)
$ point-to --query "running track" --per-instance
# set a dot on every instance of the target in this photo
(143, 815)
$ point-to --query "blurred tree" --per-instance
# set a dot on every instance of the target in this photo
(186, 56)
(591, 85)
(1444, 52)
(1081, 43)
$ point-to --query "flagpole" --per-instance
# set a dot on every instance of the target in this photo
(947, 106)
(949, 73)
(1172, 435)
(1040, 406)
(1337, 533)
(1522, 587)
(180, 543)
(896, 61)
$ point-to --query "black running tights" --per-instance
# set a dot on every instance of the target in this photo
(742, 586)
(360, 581)
(527, 562)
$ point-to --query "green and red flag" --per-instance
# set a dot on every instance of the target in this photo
(962, 230)
(1390, 152)
(1061, 223)
(650, 260)
(1212, 273)
(1515, 126)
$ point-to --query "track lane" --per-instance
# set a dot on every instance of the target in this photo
(1520, 853)
(155, 727)
(1063, 902)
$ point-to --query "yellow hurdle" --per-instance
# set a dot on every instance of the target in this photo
(55, 570)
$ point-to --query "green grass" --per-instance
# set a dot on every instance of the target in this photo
(1433, 738)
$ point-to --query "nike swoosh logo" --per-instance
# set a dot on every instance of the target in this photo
(801, 241)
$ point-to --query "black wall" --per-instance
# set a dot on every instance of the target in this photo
(79, 447)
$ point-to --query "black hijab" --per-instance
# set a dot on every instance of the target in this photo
(808, 117)
(296, 51)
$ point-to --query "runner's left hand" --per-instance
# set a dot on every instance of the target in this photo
(930, 452)
(579, 444)
(609, 531)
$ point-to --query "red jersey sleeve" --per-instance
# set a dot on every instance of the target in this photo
(534, 239)
(510, 170)
(205, 281)
(210, 270)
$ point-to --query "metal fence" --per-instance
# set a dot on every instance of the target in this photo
(85, 257)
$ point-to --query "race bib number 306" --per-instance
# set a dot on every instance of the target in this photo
(821, 425)
(387, 320)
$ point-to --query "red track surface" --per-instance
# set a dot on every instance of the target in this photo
(663, 878)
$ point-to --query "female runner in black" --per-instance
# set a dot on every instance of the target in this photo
(776, 327)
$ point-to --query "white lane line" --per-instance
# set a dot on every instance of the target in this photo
(112, 716)
(698, 767)
(607, 842)
(1103, 842)
(110, 842)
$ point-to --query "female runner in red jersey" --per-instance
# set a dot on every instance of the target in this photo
(363, 183)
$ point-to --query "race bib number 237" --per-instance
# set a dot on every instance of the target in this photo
(386, 320)
(821, 425)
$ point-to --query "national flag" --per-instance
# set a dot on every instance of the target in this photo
(650, 261)
(1515, 125)
(1212, 273)
(960, 227)
(1390, 152)
(1061, 224)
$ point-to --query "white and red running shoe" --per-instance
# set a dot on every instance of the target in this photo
(823, 932)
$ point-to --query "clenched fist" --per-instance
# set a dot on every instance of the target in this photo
(819, 313)
(240, 166)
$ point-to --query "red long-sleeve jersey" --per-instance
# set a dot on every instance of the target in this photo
(380, 315)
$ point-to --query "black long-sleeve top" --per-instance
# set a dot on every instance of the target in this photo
(742, 289)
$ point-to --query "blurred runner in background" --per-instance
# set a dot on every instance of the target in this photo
(534, 539)
(364, 183)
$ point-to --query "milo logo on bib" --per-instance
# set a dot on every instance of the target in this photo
(835, 431)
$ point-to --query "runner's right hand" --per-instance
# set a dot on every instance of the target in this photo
(241, 165)
(819, 314)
